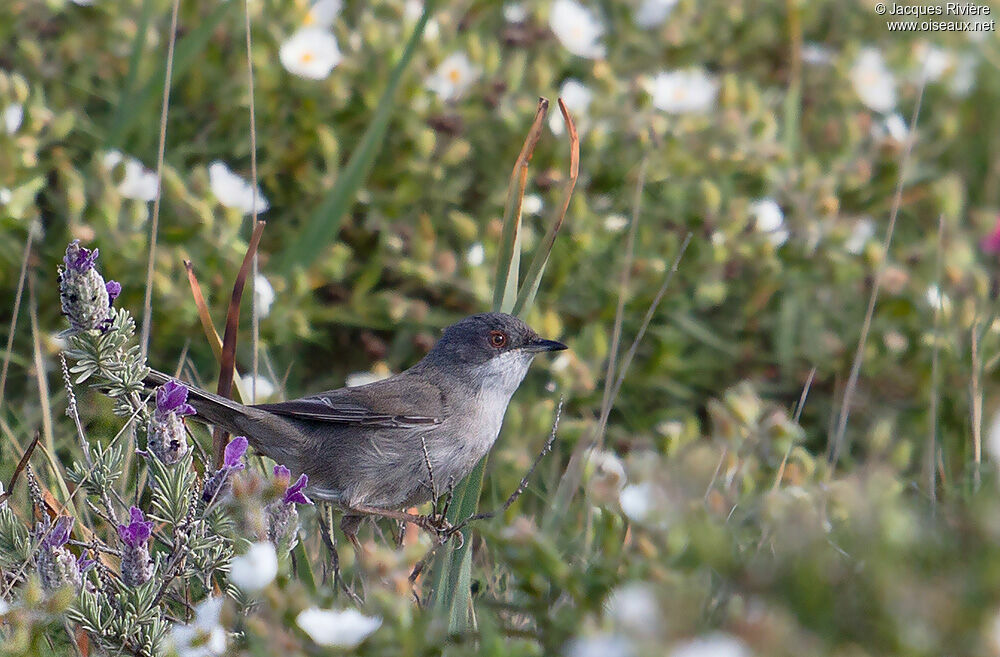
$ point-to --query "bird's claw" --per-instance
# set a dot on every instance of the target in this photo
(439, 526)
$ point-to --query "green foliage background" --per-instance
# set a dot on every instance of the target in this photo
(793, 559)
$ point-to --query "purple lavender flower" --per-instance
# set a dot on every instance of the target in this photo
(294, 494)
(232, 459)
(282, 516)
(114, 289)
(166, 437)
(57, 566)
(137, 531)
(171, 397)
(79, 259)
(137, 567)
(82, 291)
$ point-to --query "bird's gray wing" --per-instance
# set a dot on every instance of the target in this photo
(398, 402)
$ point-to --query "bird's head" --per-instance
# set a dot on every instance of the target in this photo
(492, 349)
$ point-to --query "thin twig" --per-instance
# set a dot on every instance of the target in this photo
(524, 480)
(147, 305)
(935, 374)
(859, 354)
(797, 416)
(32, 227)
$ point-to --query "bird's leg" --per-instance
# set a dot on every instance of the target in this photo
(438, 527)
(330, 540)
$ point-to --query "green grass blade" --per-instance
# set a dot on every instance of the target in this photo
(325, 222)
(187, 53)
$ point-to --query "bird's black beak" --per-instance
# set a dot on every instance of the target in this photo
(539, 345)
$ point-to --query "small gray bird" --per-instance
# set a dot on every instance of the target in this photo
(367, 448)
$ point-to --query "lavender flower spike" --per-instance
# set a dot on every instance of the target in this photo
(83, 293)
(294, 494)
(166, 438)
(137, 567)
(232, 460)
(282, 474)
(57, 567)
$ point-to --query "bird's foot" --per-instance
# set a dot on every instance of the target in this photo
(438, 526)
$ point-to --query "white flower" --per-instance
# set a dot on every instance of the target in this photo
(712, 645)
(232, 191)
(138, 183)
(413, 10)
(816, 54)
(935, 299)
(532, 204)
(5, 197)
(606, 477)
(864, 230)
(686, 91)
(453, 77)
(964, 77)
(601, 645)
(634, 609)
(83, 3)
(769, 219)
(895, 126)
(263, 296)
(254, 570)
(933, 62)
(475, 255)
(13, 114)
(356, 379)
(323, 13)
(310, 53)
(578, 29)
(576, 96)
(873, 82)
(204, 637)
(652, 13)
(640, 501)
(334, 627)
(264, 388)
(514, 12)
(614, 223)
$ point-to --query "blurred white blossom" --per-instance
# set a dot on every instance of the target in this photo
(532, 204)
(263, 296)
(311, 53)
(340, 628)
(935, 299)
(652, 13)
(712, 645)
(476, 254)
(614, 223)
(256, 569)
(816, 54)
(606, 477)
(5, 196)
(264, 388)
(873, 81)
(933, 62)
(412, 11)
(576, 96)
(683, 92)
(896, 128)
(453, 77)
(323, 13)
(578, 29)
(233, 191)
(964, 77)
(863, 230)
(769, 219)
(13, 114)
(634, 609)
(203, 637)
(138, 183)
(514, 12)
(642, 502)
(600, 645)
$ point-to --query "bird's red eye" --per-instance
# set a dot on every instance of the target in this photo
(498, 339)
